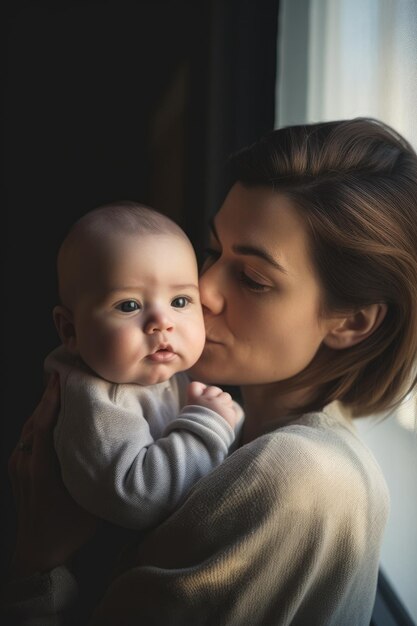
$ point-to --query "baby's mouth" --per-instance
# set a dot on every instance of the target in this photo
(162, 354)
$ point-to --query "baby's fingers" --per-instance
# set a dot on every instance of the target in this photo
(213, 392)
(195, 390)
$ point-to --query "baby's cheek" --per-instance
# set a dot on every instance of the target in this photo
(195, 340)
(107, 349)
(118, 344)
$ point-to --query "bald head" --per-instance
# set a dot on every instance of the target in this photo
(87, 248)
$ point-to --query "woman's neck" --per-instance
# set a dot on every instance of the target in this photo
(267, 407)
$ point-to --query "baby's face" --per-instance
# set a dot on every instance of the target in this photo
(138, 316)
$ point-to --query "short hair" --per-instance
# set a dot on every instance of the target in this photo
(354, 183)
(124, 216)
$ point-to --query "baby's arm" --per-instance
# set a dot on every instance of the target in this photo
(114, 467)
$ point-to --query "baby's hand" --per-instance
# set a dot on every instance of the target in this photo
(215, 399)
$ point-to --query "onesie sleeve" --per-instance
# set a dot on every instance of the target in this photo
(113, 466)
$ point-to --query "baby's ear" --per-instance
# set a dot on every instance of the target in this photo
(64, 324)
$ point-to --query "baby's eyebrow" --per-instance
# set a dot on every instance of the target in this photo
(181, 287)
(124, 288)
(185, 287)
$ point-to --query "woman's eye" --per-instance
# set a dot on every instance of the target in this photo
(128, 306)
(211, 253)
(180, 302)
(251, 284)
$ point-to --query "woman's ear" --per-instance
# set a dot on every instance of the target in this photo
(353, 329)
(64, 324)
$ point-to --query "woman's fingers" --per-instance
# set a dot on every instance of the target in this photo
(46, 413)
(27, 431)
(51, 526)
(36, 433)
(19, 465)
(44, 419)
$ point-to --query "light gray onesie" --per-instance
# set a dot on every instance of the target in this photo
(130, 453)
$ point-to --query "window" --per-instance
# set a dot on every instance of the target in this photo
(342, 59)
(346, 58)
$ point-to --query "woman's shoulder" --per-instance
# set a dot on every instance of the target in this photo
(314, 435)
(316, 453)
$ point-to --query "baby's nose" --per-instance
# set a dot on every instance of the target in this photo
(158, 322)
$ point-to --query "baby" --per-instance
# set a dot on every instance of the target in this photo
(133, 433)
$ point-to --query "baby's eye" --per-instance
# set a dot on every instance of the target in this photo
(180, 302)
(128, 306)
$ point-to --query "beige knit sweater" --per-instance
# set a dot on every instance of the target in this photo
(287, 531)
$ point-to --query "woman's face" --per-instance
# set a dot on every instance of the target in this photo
(260, 293)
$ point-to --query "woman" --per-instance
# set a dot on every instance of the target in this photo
(310, 296)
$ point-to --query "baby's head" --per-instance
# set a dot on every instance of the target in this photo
(128, 285)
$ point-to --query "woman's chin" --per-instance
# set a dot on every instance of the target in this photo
(212, 376)
(198, 372)
(206, 373)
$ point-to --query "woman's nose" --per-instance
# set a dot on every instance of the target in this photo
(158, 321)
(211, 291)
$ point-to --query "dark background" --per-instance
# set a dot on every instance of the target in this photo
(109, 100)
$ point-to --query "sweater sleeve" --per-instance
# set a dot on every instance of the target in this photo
(42, 599)
(211, 560)
(172, 582)
(282, 533)
(112, 465)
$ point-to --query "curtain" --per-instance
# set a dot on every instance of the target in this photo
(359, 57)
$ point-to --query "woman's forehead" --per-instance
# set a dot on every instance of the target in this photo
(261, 218)
(257, 207)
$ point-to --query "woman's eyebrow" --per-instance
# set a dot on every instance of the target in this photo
(213, 229)
(251, 250)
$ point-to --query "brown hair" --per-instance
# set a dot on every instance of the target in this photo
(355, 184)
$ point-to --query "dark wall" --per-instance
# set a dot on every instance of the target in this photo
(110, 100)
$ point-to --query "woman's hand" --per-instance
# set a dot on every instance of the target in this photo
(51, 526)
